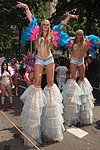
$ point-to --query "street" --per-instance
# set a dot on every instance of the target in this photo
(10, 137)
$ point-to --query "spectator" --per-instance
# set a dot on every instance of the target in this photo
(61, 74)
(6, 85)
(94, 76)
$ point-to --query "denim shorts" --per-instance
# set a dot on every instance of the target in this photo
(44, 61)
(77, 61)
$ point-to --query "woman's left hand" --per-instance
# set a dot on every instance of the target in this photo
(73, 16)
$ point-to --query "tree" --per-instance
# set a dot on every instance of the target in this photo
(12, 20)
(89, 9)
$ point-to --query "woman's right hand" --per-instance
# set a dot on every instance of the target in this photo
(28, 13)
(21, 5)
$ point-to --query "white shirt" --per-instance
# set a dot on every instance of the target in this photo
(61, 71)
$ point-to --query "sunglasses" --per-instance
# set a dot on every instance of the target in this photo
(79, 34)
(45, 24)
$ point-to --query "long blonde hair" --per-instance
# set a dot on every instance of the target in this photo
(47, 38)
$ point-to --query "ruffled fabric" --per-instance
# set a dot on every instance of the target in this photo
(34, 101)
(54, 37)
(34, 32)
(59, 37)
(87, 99)
(52, 120)
(72, 101)
(94, 40)
(63, 36)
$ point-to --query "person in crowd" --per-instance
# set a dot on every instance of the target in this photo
(78, 98)
(29, 74)
(87, 61)
(42, 111)
(22, 68)
(6, 85)
(61, 74)
(28, 61)
(2, 59)
(14, 76)
(93, 76)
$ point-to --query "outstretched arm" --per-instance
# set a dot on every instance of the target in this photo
(65, 21)
(59, 36)
(28, 13)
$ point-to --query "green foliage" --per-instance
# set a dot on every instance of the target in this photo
(13, 19)
(88, 10)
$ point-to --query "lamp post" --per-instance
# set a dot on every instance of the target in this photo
(31, 46)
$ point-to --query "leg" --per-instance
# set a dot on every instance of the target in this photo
(50, 74)
(87, 100)
(71, 97)
(38, 70)
(15, 82)
(34, 101)
(81, 70)
(73, 71)
(9, 90)
(71, 101)
(3, 90)
(52, 120)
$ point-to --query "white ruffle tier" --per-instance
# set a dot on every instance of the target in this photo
(52, 120)
(86, 113)
(34, 101)
(72, 101)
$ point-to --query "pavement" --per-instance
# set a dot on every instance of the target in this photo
(11, 139)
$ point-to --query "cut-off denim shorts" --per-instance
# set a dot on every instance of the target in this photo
(77, 61)
(44, 61)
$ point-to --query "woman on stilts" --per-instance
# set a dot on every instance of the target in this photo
(78, 98)
(42, 111)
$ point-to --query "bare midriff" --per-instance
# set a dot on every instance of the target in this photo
(78, 54)
(43, 52)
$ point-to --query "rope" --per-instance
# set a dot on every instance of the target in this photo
(20, 130)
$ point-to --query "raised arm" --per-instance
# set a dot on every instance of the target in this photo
(65, 21)
(62, 38)
(28, 13)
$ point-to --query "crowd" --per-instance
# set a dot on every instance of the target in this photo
(67, 97)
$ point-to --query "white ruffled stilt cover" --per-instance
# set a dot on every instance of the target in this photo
(87, 99)
(34, 101)
(52, 120)
(71, 101)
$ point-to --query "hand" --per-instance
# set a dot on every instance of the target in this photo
(20, 4)
(73, 16)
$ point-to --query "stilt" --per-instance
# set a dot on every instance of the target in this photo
(52, 121)
(86, 113)
(34, 101)
(72, 102)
